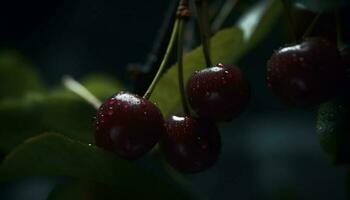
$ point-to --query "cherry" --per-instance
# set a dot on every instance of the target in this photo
(305, 74)
(128, 125)
(218, 93)
(190, 145)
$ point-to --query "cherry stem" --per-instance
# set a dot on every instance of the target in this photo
(223, 14)
(74, 86)
(180, 66)
(204, 29)
(291, 22)
(311, 26)
(165, 60)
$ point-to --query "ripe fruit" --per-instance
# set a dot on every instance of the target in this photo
(128, 125)
(191, 145)
(218, 93)
(305, 74)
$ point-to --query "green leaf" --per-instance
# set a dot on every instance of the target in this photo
(258, 21)
(101, 85)
(17, 77)
(333, 129)
(58, 111)
(227, 46)
(55, 155)
(36, 113)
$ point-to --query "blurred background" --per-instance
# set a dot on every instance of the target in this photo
(270, 152)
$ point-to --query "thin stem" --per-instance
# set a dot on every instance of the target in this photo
(291, 22)
(311, 26)
(164, 61)
(180, 66)
(204, 29)
(81, 91)
(223, 14)
(159, 44)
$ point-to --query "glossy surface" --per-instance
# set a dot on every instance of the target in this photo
(305, 74)
(128, 125)
(191, 145)
(218, 93)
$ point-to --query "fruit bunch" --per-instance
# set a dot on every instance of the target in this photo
(130, 125)
(304, 74)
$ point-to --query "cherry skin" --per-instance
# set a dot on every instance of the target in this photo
(128, 125)
(189, 144)
(218, 93)
(305, 74)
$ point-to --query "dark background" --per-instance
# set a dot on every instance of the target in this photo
(270, 152)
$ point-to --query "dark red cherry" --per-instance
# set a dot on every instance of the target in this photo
(128, 125)
(218, 93)
(306, 74)
(191, 145)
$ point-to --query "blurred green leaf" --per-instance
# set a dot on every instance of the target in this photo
(17, 77)
(320, 5)
(58, 111)
(101, 85)
(36, 113)
(334, 129)
(227, 46)
(258, 21)
(53, 154)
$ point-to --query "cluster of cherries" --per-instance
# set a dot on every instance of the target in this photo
(304, 74)
(130, 125)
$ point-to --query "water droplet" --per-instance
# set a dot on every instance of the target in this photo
(112, 101)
